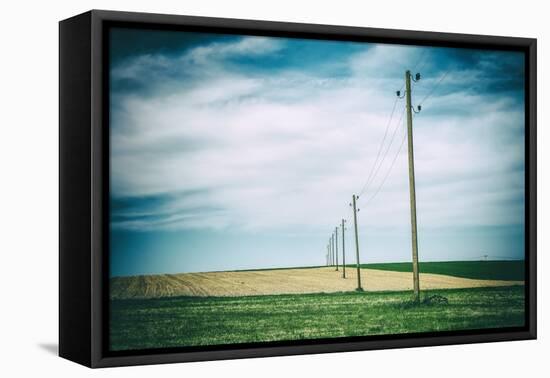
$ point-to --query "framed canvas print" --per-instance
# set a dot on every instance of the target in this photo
(234, 188)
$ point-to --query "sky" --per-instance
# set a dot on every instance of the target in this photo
(240, 152)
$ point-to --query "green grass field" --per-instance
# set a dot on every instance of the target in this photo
(483, 270)
(192, 321)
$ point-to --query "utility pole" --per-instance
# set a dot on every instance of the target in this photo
(343, 250)
(331, 251)
(336, 246)
(359, 288)
(332, 247)
(412, 191)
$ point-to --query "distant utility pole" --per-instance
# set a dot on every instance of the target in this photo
(332, 247)
(359, 288)
(336, 246)
(343, 250)
(331, 251)
(416, 280)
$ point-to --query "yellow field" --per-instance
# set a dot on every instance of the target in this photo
(282, 281)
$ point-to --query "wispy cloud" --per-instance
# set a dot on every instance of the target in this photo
(205, 60)
(250, 46)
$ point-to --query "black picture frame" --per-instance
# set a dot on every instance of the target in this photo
(83, 182)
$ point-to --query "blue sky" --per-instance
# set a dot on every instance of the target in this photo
(238, 152)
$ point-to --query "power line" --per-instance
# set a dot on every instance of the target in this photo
(388, 171)
(367, 183)
(389, 145)
(409, 79)
(423, 60)
(430, 93)
(434, 87)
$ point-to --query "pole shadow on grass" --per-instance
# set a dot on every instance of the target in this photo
(427, 301)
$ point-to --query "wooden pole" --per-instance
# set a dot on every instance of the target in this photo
(412, 190)
(359, 288)
(331, 251)
(343, 251)
(336, 246)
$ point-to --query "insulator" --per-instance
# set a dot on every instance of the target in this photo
(417, 76)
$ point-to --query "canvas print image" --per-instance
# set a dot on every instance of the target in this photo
(267, 189)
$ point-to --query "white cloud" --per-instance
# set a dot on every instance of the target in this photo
(201, 59)
(249, 46)
(284, 150)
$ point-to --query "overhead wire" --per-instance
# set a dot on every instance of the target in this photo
(375, 168)
(367, 182)
(430, 93)
(436, 85)
(389, 170)
(389, 146)
(421, 62)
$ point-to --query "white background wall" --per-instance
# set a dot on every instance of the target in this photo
(28, 200)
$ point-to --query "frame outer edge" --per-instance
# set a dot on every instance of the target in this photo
(411, 36)
(532, 166)
(74, 192)
(96, 202)
(98, 358)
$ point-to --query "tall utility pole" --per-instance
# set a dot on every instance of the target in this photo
(359, 288)
(343, 250)
(416, 283)
(336, 246)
